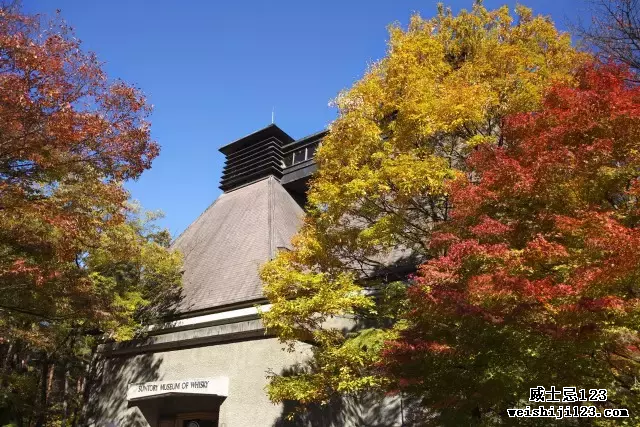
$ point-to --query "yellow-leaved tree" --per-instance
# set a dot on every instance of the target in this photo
(403, 131)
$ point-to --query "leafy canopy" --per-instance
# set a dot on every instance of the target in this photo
(68, 138)
(403, 131)
(537, 283)
(78, 265)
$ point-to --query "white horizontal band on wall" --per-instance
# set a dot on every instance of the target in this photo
(211, 319)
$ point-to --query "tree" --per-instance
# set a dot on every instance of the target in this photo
(403, 130)
(76, 264)
(136, 275)
(536, 284)
(615, 31)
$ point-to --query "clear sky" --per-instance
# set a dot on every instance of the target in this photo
(215, 69)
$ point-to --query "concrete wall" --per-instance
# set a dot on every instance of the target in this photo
(238, 351)
(245, 363)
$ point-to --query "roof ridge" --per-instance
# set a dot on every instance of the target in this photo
(270, 209)
(213, 203)
(193, 223)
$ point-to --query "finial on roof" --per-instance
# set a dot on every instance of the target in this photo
(273, 114)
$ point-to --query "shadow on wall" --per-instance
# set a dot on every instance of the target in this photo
(365, 409)
(108, 402)
(372, 409)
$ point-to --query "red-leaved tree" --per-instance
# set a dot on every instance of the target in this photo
(68, 138)
(536, 278)
(78, 265)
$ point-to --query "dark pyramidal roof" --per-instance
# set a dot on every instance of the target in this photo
(225, 247)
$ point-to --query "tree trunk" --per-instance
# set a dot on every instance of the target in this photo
(6, 363)
(7, 359)
(52, 369)
(76, 415)
(86, 389)
(40, 421)
(65, 398)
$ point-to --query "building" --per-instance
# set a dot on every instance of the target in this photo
(209, 366)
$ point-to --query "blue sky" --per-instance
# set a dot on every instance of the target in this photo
(215, 69)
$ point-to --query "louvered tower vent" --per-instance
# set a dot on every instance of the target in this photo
(254, 157)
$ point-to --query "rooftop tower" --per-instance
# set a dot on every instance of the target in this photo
(264, 181)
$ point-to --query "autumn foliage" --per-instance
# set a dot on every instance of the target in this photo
(78, 263)
(68, 137)
(404, 131)
(536, 281)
